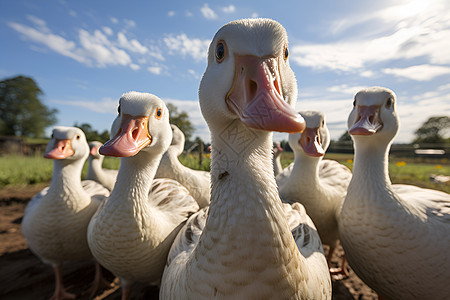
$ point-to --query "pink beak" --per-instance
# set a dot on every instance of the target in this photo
(61, 150)
(131, 138)
(368, 121)
(311, 143)
(256, 96)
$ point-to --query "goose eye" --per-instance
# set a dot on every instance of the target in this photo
(52, 136)
(78, 137)
(286, 53)
(389, 103)
(158, 113)
(323, 123)
(354, 103)
(220, 51)
(118, 109)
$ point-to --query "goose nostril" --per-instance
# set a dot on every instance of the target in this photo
(371, 119)
(252, 88)
(135, 133)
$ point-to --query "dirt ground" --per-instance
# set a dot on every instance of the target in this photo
(24, 276)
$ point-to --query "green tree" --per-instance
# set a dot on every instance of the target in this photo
(181, 120)
(21, 111)
(93, 135)
(433, 130)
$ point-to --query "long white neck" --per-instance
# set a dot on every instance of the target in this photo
(134, 179)
(95, 168)
(305, 170)
(66, 182)
(245, 215)
(370, 166)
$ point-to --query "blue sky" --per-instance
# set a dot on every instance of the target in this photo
(85, 54)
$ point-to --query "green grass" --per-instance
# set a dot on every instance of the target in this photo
(18, 170)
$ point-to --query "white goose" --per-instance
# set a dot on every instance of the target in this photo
(320, 185)
(277, 167)
(56, 219)
(396, 237)
(106, 177)
(197, 182)
(245, 248)
(132, 232)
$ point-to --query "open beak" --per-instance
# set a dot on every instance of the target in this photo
(368, 121)
(256, 96)
(311, 142)
(62, 149)
(132, 137)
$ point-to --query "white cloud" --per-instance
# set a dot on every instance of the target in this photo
(208, 13)
(100, 50)
(419, 72)
(414, 30)
(72, 13)
(155, 70)
(181, 44)
(52, 41)
(134, 67)
(171, 13)
(129, 23)
(104, 106)
(107, 30)
(89, 48)
(131, 45)
(192, 107)
(114, 20)
(42, 26)
(229, 9)
(255, 15)
(188, 14)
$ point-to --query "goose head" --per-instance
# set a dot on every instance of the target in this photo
(142, 125)
(248, 77)
(68, 143)
(178, 140)
(315, 139)
(94, 146)
(374, 114)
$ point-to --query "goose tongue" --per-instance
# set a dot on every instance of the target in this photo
(62, 149)
(256, 96)
(310, 142)
(368, 122)
(131, 138)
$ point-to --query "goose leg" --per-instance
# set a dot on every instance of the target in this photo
(99, 281)
(60, 293)
(337, 273)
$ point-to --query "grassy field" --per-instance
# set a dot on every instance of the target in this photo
(21, 171)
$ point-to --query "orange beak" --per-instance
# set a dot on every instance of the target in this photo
(131, 138)
(311, 142)
(62, 149)
(368, 121)
(256, 96)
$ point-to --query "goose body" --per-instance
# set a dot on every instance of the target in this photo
(197, 182)
(396, 237)
(106, 177)
(243, 247)
(56, 220)
(320, 185)
(132, 232)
